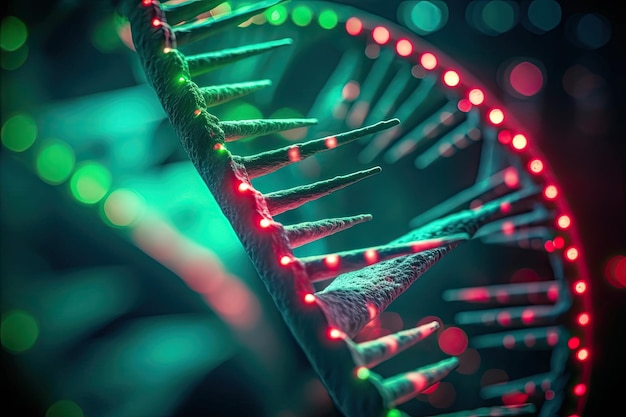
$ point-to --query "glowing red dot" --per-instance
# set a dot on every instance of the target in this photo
(563, 221)
(511, 178)
(550, 192)
(464, 105)
(219, 147)
(294, 154)
(309, 298)
(331, 142)
(559, 242)
(549, 246)
(571, 254)
(476, 96)
(582, 354)
(519, 142)
(146, 2)
(197, 112)
(265, 223)
(615, 271)
(504, 137)
(496, 116)
(579, 389)
(243, 187)
(404, 47)
(371, 256)
(583, 319)
(580, 287)
(381, 35)
(453, 341)
(428, 61)
(451, 78)
(331, 261)
(354, 26)
(535, 166)
(285, 260)
(528, 316)
(573, 342)
(526, 78)
(351, 91)
(156, 22)
(334, 333)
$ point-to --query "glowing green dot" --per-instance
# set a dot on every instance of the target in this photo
(64, 408)
(499, 16)
(391, 413)
(55, 162)
(276, 15)
(301, 15)
(19, 132)
(19, 331)
(241, 111)
(13, 33)
(362, 373)
(90, 182)
(428, 16)
(327, 19)
(123, 207)
(182, 79)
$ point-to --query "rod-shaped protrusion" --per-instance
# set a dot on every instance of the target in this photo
(373, 352)
(258, 127)
(223, 93)
(203, 63)
(270, 161)
(498, 410)
(280, 201)
(322, 267)
(182, 12)
(401, 388)
(303, 233)
(192, 32)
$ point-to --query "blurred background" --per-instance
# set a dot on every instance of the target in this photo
(108, 235)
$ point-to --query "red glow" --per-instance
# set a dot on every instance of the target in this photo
(381, 35)
(334, 333)
(156, 22)
(404, 47)
(563, 221)
(265, 223)
(528, 316)
(580, 389)
(580, 287)
(309, 298)
(511, 179)
(451, 78)
(243, 187)
(508, 227)
(285, 260)
(526, 78)
(559, 242)
(294, 154)
(504, 137)
(431, 389)
(331, 142)
(219, 147)
(428, 61)
(476, 96)
(550, 192)
(332, 261)
(354, 26)
(351, 91)
(496, 116)
(520, 142)
(582, 354)
(464, 105)
(196, 112)
(371, 256)
(583, 319)
(573, 342)
(615, 271)
(514, 398)
(535, 166)
(548, 246)
(571, 254)
(453, 341)
(146, 2)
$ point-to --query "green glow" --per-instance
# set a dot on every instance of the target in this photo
(11, 61)
(499, 16)
(13, 33)
(241, 111)
(182, 79)
(104, 36)
(276, 15)
(363, 373)
(426, 16)
(302, 15)
(19, 331)
(390, 413)
(90, 182)
(19, 132)
(64, 408)
(328, 19)
(55, 162)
